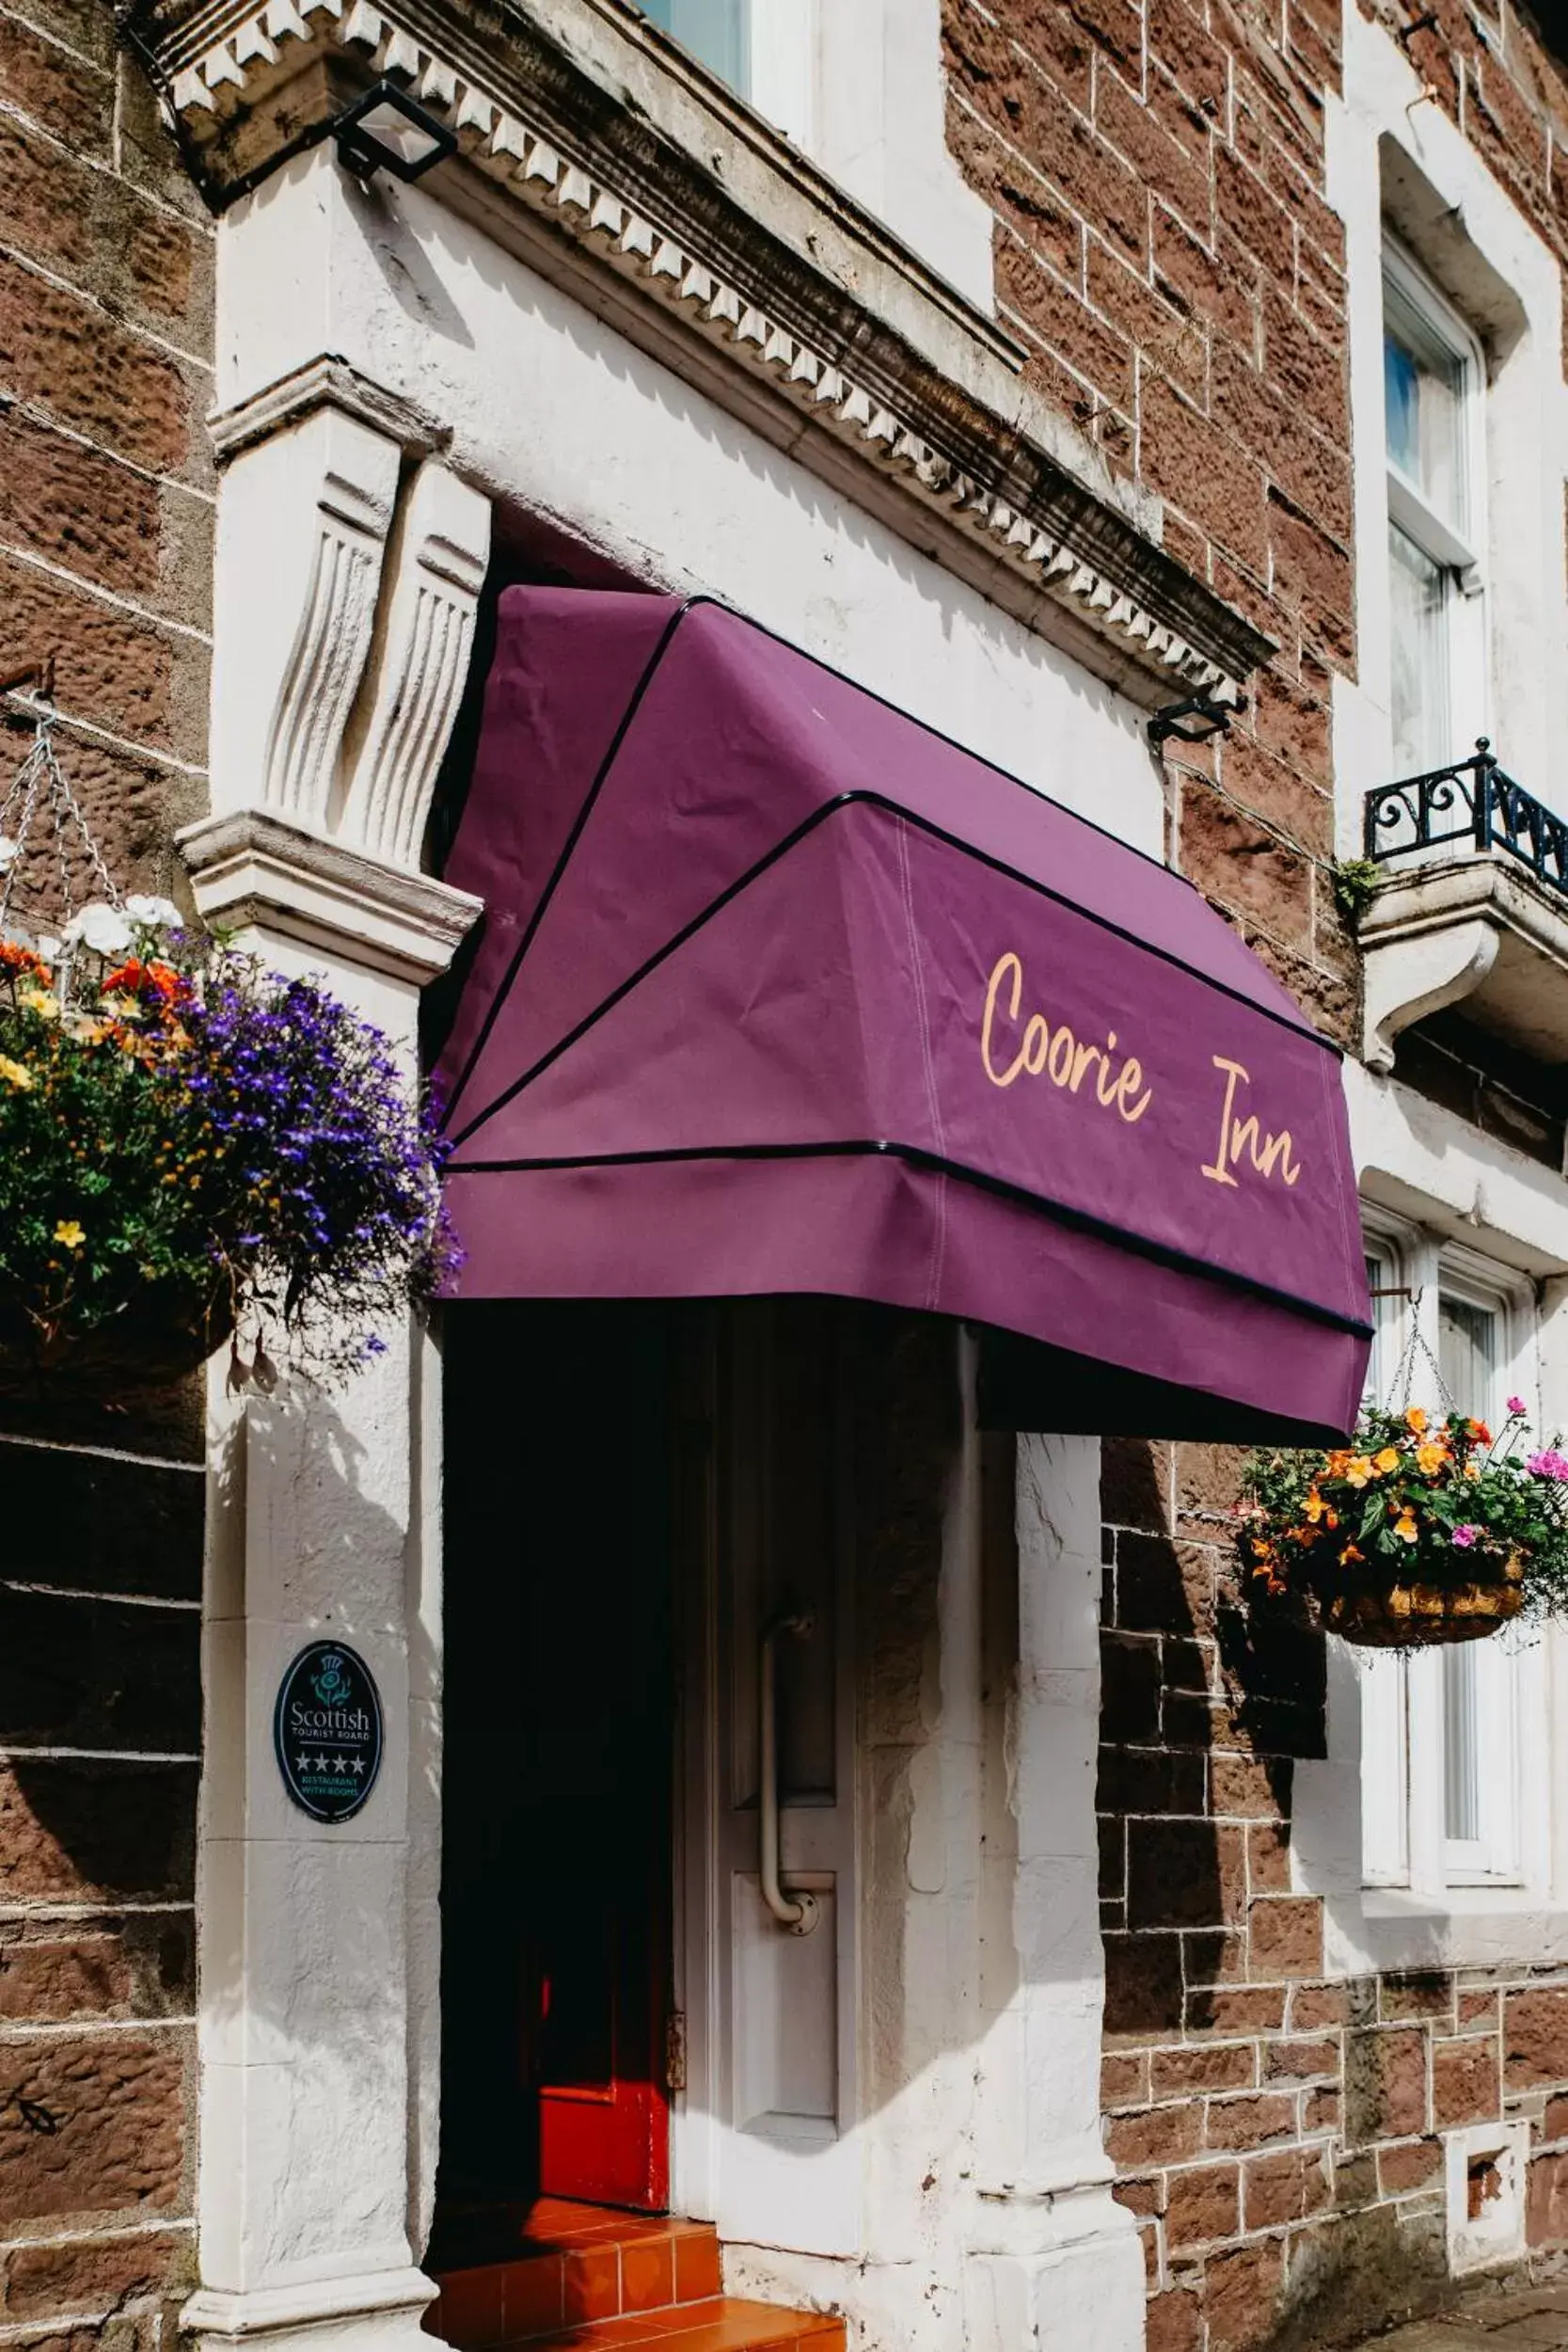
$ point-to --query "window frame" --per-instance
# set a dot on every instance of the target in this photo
(781, 48)
(1493, 1858)
(1404, 1843)
(1458, 552)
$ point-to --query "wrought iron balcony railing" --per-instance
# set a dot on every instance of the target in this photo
(1473, 801)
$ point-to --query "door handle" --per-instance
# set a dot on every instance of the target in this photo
(799, 1912)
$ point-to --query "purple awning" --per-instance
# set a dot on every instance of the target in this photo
(778, 990)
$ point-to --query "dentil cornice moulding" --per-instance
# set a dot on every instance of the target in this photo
(639, 165)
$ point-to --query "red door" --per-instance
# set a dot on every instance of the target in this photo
(557, 2021)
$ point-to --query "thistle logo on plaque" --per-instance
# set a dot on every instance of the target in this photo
(327, 1731)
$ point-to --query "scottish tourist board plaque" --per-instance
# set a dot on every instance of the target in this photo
(327, 1731)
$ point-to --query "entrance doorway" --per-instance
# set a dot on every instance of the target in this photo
(557, 1866)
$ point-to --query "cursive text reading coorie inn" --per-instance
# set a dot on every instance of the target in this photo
(1055, 1052)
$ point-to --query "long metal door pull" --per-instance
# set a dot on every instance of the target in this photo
(799, 1912)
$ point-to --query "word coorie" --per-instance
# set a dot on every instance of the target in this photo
(1068, 1060)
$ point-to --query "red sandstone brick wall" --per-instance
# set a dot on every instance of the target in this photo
(1164, 247)
(105, 537)
(1277, 2133)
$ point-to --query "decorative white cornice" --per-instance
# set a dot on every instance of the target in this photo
(1067, 542)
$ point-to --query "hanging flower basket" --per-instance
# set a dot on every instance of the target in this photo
(194, 1151)
(1425, 1529)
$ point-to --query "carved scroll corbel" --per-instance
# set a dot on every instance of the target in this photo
(1410, 975)
(303, 521)
(417, 668)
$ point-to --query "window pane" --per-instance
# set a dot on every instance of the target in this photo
(1461, 1745)
(1467, 1354)
(1418, 602)
(1467, 1358)
(718, 31)
(1423, 399)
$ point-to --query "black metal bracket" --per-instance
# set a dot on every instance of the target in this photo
(1213, 719)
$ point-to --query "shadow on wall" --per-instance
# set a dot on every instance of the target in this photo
(100, 1551)
(1245, 2095)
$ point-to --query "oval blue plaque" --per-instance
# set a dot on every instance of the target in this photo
(327, 1731)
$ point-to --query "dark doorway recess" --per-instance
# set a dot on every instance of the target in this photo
(559, 1742)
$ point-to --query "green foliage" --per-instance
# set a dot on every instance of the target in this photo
(1356, 879)
(190, 1147)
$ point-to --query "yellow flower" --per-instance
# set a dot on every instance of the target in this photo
(1387, 1460)
(14, 1075)
(1359, 1471)
(1415, 1419)
(1313, 1506)
(1431, 1458)
(1472, 1470)
(39, 1000)
(69, 1231)
(1405, 1528)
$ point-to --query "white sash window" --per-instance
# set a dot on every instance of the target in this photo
(1441, 1729)
(1434, 384)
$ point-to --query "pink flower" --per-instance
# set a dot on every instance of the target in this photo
(1515, 1404)
(1464, 1536)
(1548, 1464)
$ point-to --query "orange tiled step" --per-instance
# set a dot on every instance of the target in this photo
(724, 2322)
(583, 2275)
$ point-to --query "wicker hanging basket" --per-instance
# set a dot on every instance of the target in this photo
(164, 1338)
(1416, 1616)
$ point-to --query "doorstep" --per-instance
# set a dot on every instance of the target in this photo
(586, 2277)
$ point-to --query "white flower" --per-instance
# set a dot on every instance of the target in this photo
(102, 928)
(153, 915)
(10, 851)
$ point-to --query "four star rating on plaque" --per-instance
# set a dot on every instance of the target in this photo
(330, 1763)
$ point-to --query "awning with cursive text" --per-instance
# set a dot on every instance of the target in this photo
(779, 990)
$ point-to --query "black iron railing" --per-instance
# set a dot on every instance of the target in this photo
(1475, 802)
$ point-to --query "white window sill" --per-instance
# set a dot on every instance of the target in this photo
(1466, 1927)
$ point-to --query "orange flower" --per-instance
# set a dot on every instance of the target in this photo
(153, 979)
(1350, 1553)
(1415, 1419)
(1387, 1460)
(1406, 1529)
(1314, 1506)
(1481, 1433)
(15, 958)
(1431, 1458)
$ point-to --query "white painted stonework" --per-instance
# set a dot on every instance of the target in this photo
(1453, 929)
(389, 377)
(317, 1955)
(1477, 931)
